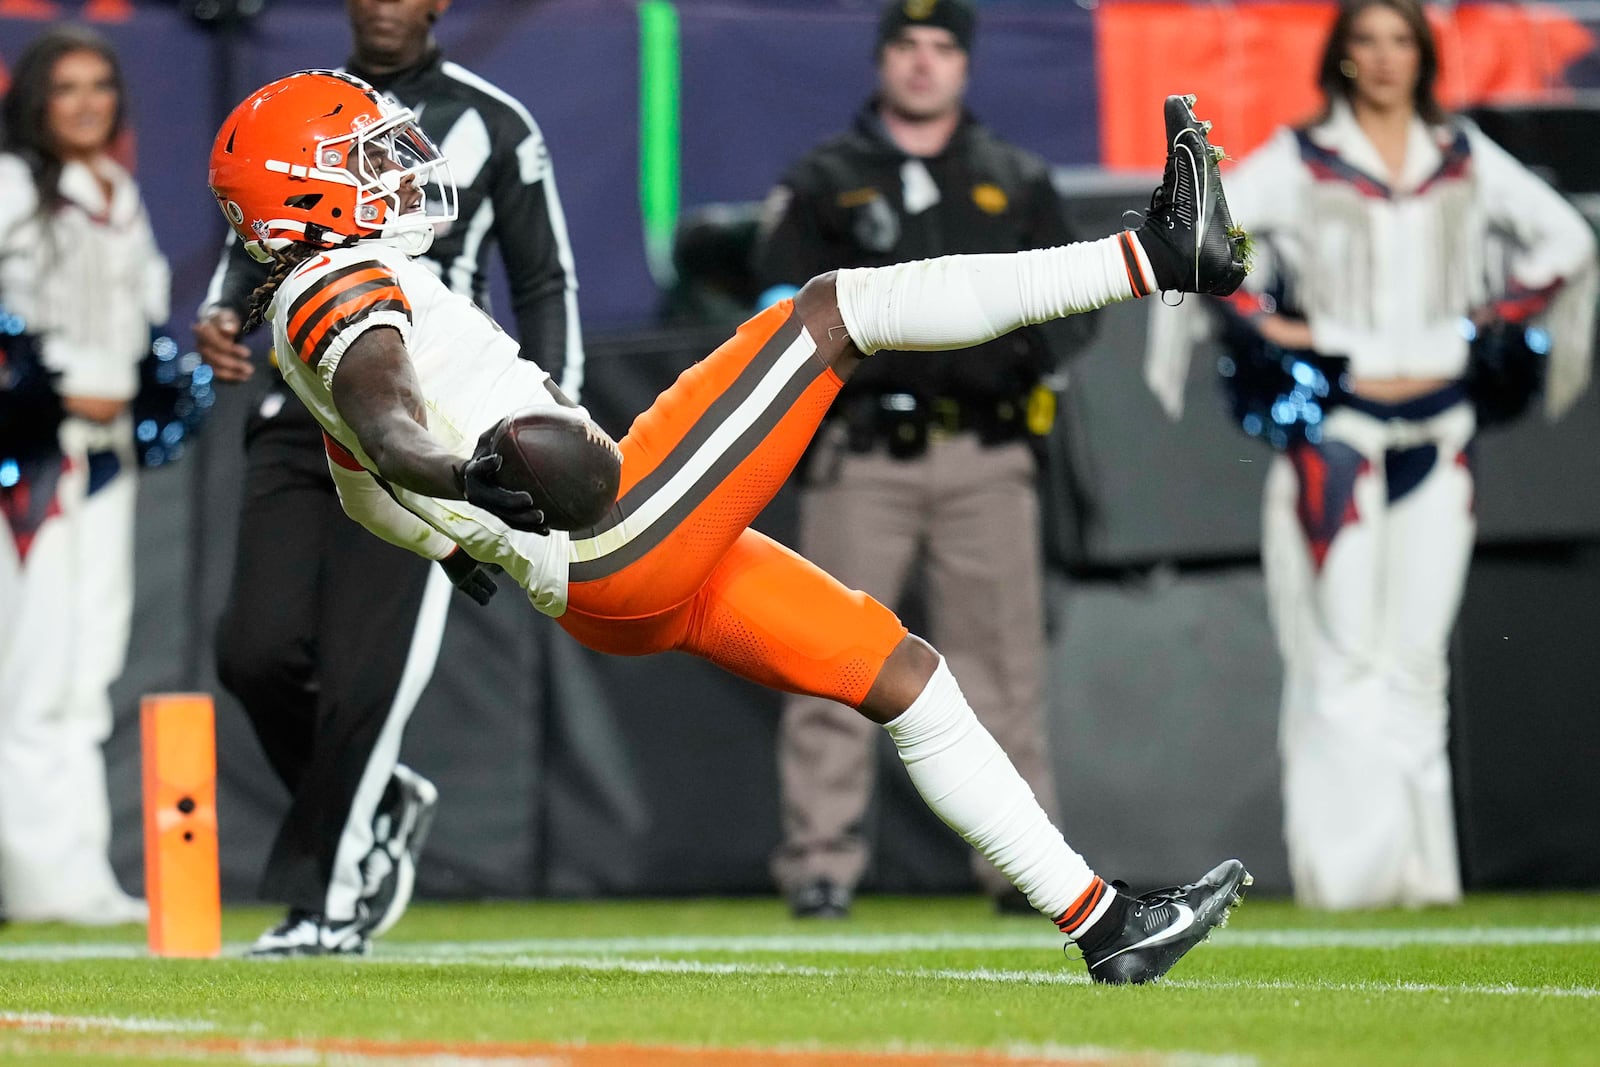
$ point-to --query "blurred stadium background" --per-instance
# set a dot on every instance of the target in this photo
(564, 774)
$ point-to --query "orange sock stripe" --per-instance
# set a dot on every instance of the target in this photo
(1082, 908)
(1130, 260)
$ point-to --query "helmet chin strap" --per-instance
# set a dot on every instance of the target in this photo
(412, 240)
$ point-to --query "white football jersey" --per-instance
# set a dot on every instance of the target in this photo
(470, 375)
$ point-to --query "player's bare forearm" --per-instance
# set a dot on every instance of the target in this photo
(377, 394)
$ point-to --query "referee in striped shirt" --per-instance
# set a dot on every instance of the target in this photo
(327, 693)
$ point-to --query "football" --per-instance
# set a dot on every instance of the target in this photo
(561, 459)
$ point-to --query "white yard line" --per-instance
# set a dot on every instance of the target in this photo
(169, 1040)
(63, 953)
(611, 955)
(309, 1053)
(878, 944)
(873, 944)
(333, 1053)
(1447, 936)
(611, 964)
(44, 1022)
(1505, 990)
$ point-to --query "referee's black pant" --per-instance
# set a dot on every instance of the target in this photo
(328, 638)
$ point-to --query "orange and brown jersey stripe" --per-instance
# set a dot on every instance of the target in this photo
(1130, 259)
(1080, 910)
(337, 300)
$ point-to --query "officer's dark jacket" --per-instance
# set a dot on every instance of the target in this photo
(842, 205)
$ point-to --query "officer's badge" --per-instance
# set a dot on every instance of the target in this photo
(917, 10)
(990, 198)
(918, 190)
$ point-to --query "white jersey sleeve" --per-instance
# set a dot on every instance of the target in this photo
(328, 302)
(367, 501)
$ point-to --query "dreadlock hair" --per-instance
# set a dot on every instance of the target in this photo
(284, 261)
(27, 130)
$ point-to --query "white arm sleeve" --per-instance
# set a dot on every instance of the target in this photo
(365, 501)
(157, 295)
(1554, 242)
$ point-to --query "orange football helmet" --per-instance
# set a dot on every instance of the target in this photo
(320, 157)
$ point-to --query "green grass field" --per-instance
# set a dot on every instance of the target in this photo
(906, 982)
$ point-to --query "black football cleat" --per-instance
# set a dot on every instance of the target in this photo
(1189, 236)
(822, 898)
(304, 933)
(389, 871)
(1161, 926)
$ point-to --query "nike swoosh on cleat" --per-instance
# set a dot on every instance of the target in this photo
(335, 938)
(1182, 922)
(1198, 224)
(1198, 158)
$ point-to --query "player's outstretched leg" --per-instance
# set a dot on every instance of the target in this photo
(968, 782)
(1189, 236)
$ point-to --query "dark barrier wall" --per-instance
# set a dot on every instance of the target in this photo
(1523, 707)
(563, 773)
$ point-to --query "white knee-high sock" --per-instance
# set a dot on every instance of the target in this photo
(956, 301)
(967, 780)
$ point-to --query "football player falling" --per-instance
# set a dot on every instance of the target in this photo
(341, 188)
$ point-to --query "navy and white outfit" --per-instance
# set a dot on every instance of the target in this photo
(307, 580)
(86, 276)
(1368, 528)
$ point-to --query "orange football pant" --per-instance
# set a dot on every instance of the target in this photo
(675, 565)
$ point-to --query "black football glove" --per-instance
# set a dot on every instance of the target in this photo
(513, 507)
(471, 577)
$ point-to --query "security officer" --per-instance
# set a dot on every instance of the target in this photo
(927, 455)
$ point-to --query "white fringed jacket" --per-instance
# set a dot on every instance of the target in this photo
(89, 278)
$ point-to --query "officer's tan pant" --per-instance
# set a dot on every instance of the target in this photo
(972, 514)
